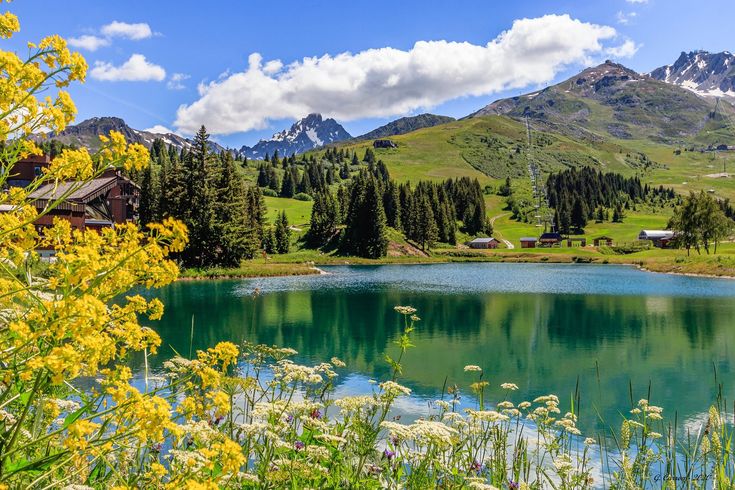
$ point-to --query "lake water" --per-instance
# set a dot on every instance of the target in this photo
(598, 330)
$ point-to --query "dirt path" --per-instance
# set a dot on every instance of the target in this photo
(499, 235)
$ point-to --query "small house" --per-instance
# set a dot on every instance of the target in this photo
(603, 240)
(658, 238)
(550, 239)
(528, 242)
(483, 243)
(384, 144)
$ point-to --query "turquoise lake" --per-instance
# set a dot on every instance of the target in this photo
(599, 331)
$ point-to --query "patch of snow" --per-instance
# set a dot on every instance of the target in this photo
(311, 133)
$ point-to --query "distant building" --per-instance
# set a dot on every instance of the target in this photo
(658, 238)
(602, 240)
(550, 239)
(384, 144)
(102, 202)
(528, 242)
(483, 243)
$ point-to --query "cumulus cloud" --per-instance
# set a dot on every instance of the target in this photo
(637, 1)
(135, 32)
(160, 129)
(386, 81)
(176, 81)
(625, 50)
(135, 69)
(88, 42)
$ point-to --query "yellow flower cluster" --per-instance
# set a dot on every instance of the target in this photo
(115, 148)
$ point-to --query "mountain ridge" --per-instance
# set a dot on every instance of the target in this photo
(405, 125)
(704, 73)
(308, 133)
(86, 133)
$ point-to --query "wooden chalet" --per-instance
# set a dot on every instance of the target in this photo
(102, 202)
(550, 239)
(602, 240)
(528, 242)
(486, 243)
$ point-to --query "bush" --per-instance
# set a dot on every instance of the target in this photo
(269, 192)
(302, 196)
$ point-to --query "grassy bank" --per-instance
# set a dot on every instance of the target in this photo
(305, 262)
(252, 268)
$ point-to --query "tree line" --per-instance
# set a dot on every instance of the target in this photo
(356, 220)
(578, 195)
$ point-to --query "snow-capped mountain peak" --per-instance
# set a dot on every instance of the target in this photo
(704, 73)
(305, 134)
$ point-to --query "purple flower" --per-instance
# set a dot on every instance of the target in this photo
(298, 445)
(389, 454)
(512, 485)
(476, 466)
(316, 414)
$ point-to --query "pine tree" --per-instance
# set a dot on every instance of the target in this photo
(392, 206)
(282, 234)
(305, 184)
(269, 240)
(426, 229)
(344, 172)
(324, 219)
(365, 234)
(148, 210)
(355, 161)
(201, 199)
(579, 215)
(343, 200)
(288, 187)
(235, 239)
(369, 157)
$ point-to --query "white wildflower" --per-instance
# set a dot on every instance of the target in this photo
(472, 368)
(509, 386)
(391, 388)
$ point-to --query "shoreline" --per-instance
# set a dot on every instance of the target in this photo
(285, 269)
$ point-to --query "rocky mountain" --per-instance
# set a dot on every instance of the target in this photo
(304, 135)
(610, 100)
(87, 132)
(405, 125)
(704, 73)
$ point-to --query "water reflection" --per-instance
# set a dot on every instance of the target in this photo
(544, 342)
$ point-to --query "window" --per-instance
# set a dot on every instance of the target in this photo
(37, 170)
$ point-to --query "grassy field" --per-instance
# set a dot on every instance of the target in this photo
(298, 212)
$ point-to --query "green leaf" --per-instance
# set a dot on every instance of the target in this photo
(74, 416)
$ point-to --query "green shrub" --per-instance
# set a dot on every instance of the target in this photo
(302, 196)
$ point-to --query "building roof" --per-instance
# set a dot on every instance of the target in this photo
(529, 239)
(77, 191)
(648, 234)
(603, 237)
(550, 236)
(483, 240)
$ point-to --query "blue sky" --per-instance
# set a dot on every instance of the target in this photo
(211, 42)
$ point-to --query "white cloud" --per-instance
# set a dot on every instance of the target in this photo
(90, 43)
(135, 32)
(176, 81)
(625, 18)
(160, 129)
(637, 1)
(136, 69)
(386, 81)
(625, 50)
